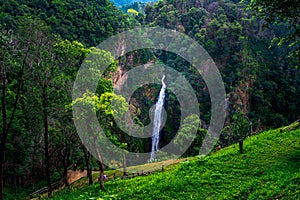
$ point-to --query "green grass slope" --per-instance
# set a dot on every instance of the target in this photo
(268, 169)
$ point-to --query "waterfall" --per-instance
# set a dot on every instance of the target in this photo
(158, 116)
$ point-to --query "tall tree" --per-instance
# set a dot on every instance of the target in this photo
(71, 55)
(108, 114)
(14, 52)
(239, 129)
(44, 66)
(90, 100)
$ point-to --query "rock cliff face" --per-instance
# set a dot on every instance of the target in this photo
(143, 99)
(119, 76)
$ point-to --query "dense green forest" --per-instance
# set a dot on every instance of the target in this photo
(43, 44)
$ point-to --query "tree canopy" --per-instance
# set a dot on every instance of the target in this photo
(281, 12)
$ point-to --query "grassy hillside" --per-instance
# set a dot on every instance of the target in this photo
(268, 169)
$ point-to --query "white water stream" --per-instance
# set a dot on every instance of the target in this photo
(158, 117)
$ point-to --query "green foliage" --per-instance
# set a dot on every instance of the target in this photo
(130, 10)
(111, 106)
(190, 131)
(281, 12)
(272, 10)
(239, 128)
(89, 22)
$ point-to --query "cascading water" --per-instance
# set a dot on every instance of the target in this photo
(157, 120)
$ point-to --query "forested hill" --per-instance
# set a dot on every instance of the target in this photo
(259, 78)
(88, 21)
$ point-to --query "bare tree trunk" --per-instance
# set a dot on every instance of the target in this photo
(4, 134)
(124, 164)
(46, 141)
(87, 162)
(66, 163)
(1, 174)
(33, 162)
(241, 146)
(101, 177)
(6, 126)
(101, 166)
